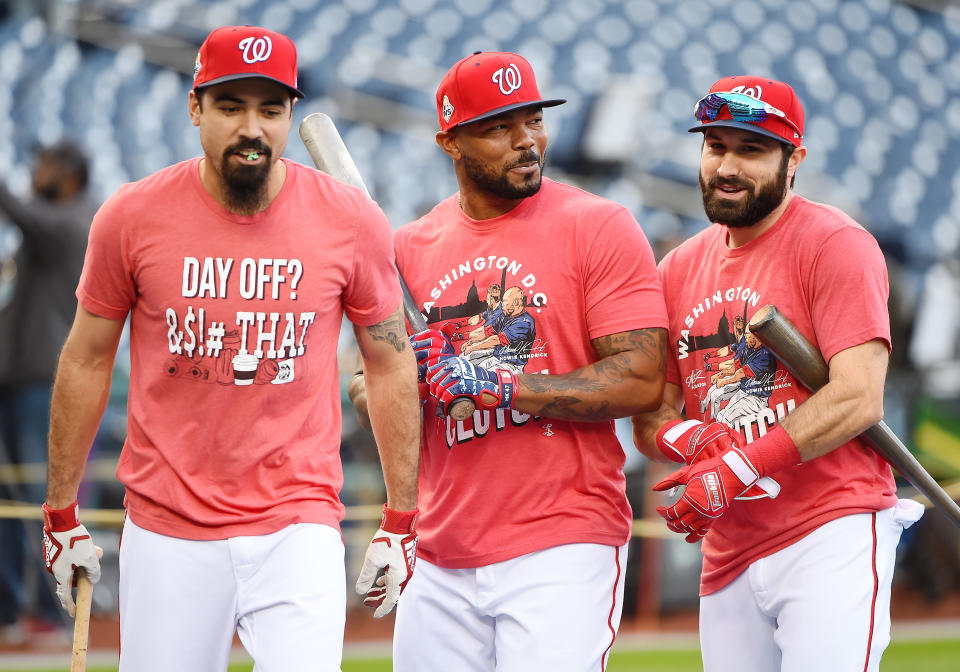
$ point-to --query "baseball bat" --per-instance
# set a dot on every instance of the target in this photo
(805, 362)
(330, 154)
(81, 624)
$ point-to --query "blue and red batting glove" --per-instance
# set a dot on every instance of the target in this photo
(455, 377)
(430, 347)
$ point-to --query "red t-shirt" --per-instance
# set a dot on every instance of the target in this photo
(502, 484)
(234, 404)
(825, 274)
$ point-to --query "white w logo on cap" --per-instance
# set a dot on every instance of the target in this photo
(255, 49)
(508, 79)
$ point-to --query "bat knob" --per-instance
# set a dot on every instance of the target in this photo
(462, 409)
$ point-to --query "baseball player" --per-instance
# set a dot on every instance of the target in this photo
(800, 581)
(235, 269)
(525, 522)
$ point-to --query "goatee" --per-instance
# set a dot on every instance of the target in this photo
(498, 183)
(245, 186)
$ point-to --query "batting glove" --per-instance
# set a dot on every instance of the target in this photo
(691, 440)
(455, 377)
(430, 346)
(393, 549)
(712, 483)
(67, 546)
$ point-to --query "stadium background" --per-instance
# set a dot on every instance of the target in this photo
(880, 81)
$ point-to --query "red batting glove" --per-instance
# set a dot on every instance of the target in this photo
(691, 440)
(393, 549)
(67, 546)
(712, 483)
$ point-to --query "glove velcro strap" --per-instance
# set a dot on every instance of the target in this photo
(508, 387)
(773, 452)
(741, 467)
(668, 436)
(399, 522)
(61, 520)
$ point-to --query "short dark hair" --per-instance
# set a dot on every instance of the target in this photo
(68, 155)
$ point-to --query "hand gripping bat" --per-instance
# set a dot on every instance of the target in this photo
(806, 363)
(329, 154)
(81, 624)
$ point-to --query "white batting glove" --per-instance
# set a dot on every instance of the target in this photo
(393, 549)
(67, 546)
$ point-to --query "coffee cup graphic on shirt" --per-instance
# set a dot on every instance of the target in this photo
(244, 368)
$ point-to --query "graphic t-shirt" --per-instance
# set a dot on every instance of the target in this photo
(234, 403)
(570, 267)
(825, 274)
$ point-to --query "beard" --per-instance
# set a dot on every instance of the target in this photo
(759, 201)
(245, 186)
(498, 182)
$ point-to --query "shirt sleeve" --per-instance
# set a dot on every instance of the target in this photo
(849, 291)
(373, 291)
(621, 287)
(107, 287)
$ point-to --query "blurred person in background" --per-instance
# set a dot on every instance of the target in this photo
(53, 224)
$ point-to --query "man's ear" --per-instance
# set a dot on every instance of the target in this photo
(448, 143)
(193, 106)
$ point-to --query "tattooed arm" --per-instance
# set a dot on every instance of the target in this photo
(390, 380)
(628, 379)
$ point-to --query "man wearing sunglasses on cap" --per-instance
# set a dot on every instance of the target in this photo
(799, 519)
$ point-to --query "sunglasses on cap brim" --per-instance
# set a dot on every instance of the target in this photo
(741, 107)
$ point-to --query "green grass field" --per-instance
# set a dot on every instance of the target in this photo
(928, 656)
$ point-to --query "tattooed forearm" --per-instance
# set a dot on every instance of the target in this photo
(627, 379)
(650, 342)
(391, 331)
(572, 408)
(566, 383)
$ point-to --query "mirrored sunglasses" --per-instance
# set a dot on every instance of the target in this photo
(741, 107)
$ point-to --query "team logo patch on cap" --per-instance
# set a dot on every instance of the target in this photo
(447, 109)
(255, 49)
(196, 67)
(508, 79)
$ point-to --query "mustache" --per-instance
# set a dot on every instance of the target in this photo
(735, 182)
(526, 157)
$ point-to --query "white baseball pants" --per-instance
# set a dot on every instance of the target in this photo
(181, 600)
(822, 603)
(557, 609)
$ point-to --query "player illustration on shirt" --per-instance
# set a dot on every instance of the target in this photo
(507, 339)
(487, 318)
(744, 381)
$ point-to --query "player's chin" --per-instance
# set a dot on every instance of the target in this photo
(528, 185)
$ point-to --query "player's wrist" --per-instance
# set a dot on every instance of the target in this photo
(509, 386)
(399, 522)
(61, 520)
(773, 452)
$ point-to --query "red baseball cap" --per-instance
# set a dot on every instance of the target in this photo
(776, 112)
(485, 84)
(236, 52)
